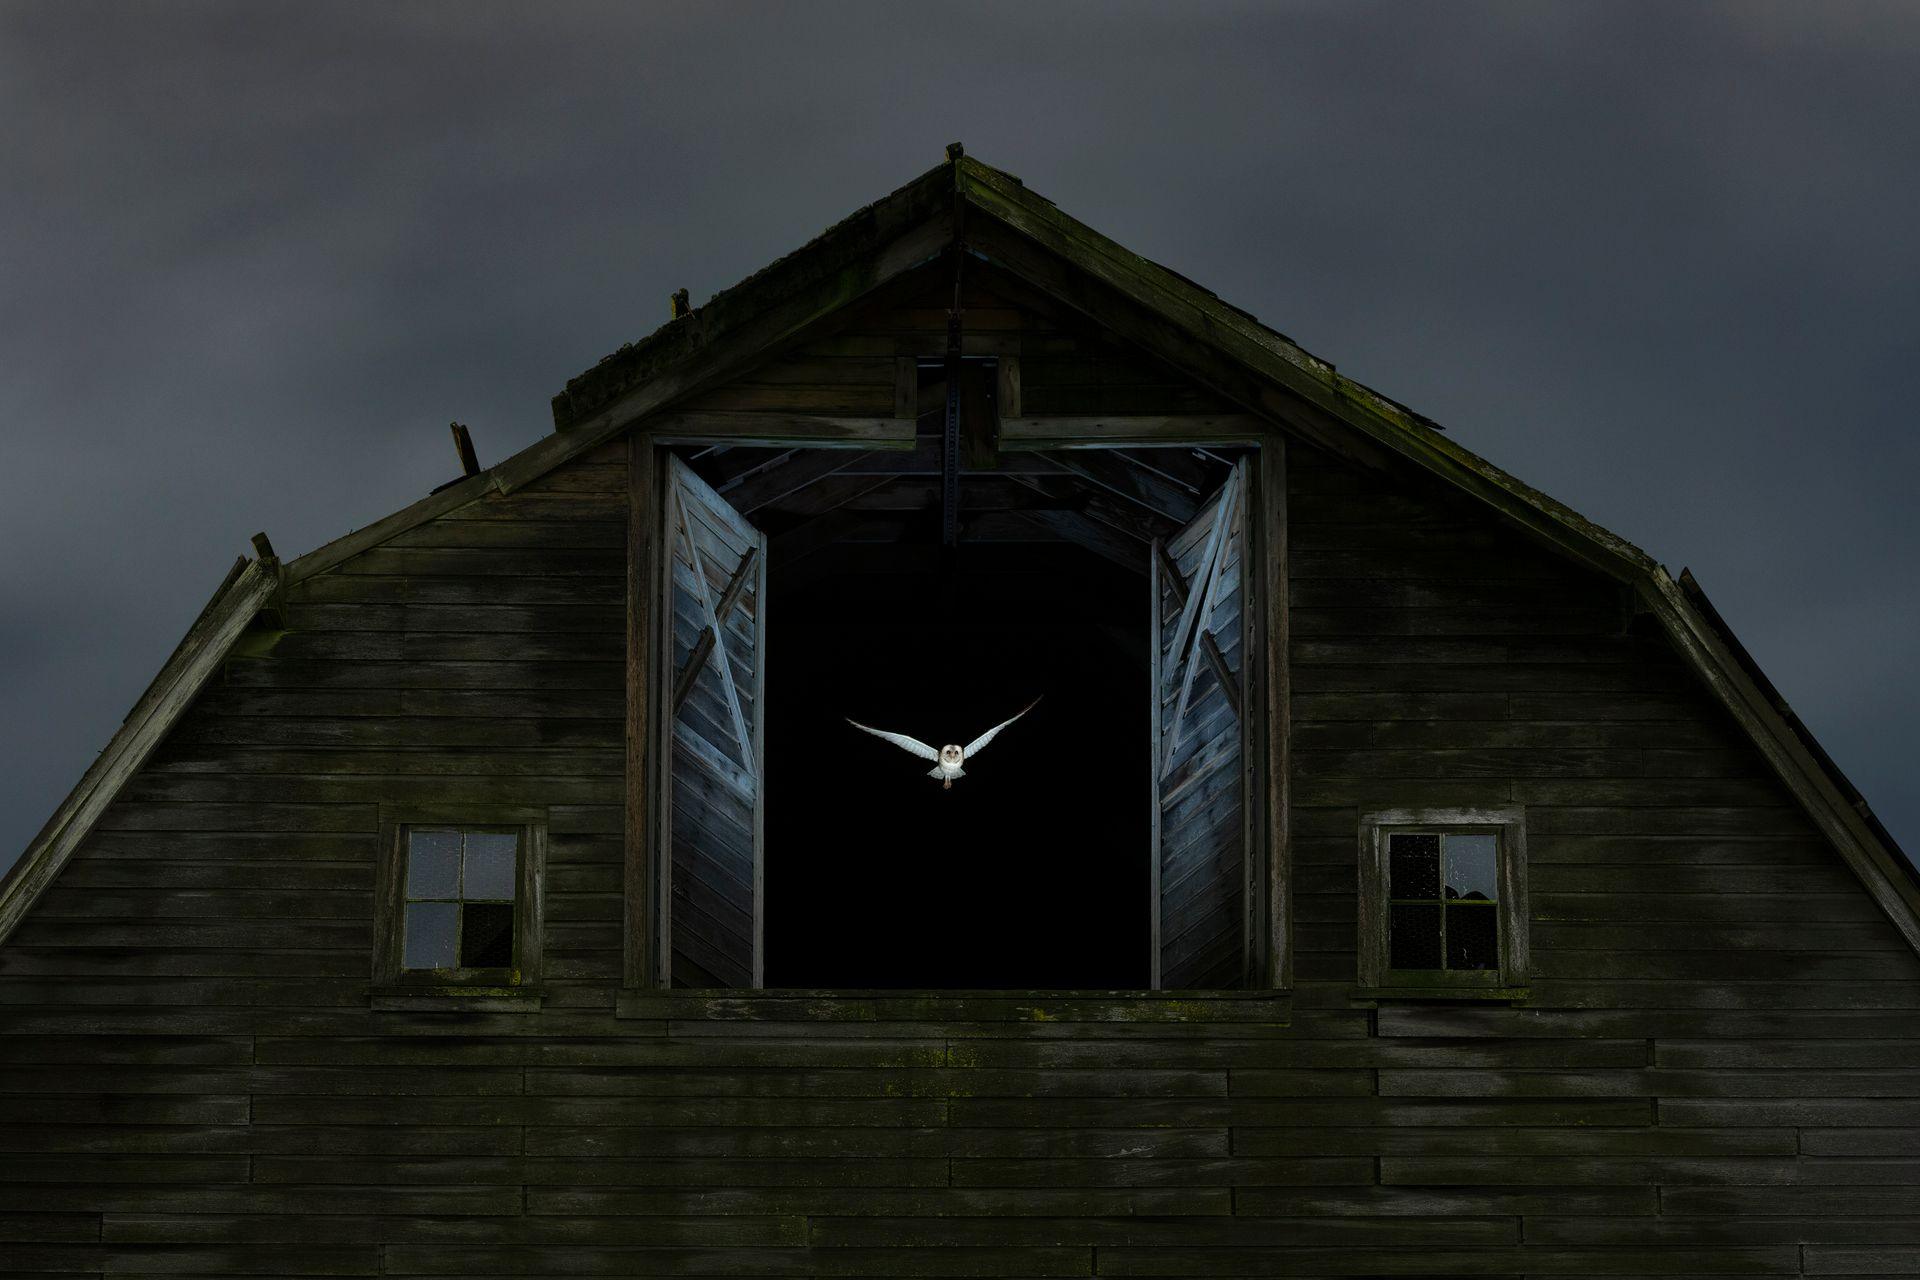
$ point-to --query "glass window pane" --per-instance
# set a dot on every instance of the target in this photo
(486, 935)
(1415, 865)
(1413, 937)
(433, 864)
(490, 864)
(430, 930)
(1473, 936)
(1471, 867)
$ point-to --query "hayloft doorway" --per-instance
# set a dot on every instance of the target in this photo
(1032, 871)
(1101, 843)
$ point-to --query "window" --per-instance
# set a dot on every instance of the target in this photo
(460, 892)
(460, 903)
(1443, 900)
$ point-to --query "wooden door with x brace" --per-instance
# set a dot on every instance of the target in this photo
(1203, 891)
(715, 593)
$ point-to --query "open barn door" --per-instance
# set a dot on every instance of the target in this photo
(716, 612)
(1200, 891)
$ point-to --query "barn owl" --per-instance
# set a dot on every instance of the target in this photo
(948, 759)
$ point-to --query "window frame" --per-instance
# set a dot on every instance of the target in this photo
(1376, 974)
(1267, 771)
(389, 942)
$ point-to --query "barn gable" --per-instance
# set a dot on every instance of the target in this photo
(697, 375)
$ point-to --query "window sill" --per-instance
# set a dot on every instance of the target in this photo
(458, 999)
(1367, 997)
(1253, 1008)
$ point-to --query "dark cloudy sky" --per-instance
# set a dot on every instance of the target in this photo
(1659, 260)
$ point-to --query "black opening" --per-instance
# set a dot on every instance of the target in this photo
(486, 935)
(1032, 871)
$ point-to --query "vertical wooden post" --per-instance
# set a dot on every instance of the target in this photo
(643, 554)
(1006, 392)
(1276, 685)
(979, 428)
(906, 387)
(666, 521)
(760, 766)
(1160, 563)
(1256, 870)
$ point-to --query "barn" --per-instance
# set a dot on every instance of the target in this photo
(1397, 875)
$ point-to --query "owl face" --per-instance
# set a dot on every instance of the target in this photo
(950, 754)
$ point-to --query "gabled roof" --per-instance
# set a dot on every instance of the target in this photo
(994, 217)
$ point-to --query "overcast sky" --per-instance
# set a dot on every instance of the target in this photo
(1661, 261)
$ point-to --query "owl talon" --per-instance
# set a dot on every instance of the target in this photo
(946, 784)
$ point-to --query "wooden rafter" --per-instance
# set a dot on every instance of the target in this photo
(1119, 474)
(724, 468)
(1072, 526)
(1187, 468)
(801, 541)
(830, 494)
(1093, 431)
(793, 473)
(774, 430)
(1068, 493)
(924, 460)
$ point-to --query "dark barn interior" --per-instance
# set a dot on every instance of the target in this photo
(1033, 871)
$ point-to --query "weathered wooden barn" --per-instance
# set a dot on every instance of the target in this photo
(496, 891)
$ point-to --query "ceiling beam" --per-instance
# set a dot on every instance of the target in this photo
(779, 430)
(802, 468)
(1068, 526)
(1107, 430)
(1119, 474)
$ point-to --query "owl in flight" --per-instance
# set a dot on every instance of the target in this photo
(948, 759)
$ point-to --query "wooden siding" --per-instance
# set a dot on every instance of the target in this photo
(1715, 1074)
(476, 660)
(1067, 369)
(1700, 958)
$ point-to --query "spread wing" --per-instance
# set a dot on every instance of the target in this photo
(901, 740)
(981, 741)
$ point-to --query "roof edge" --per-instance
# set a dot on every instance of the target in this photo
(1277, 359)
(186, 671)
(1828, 765)
(833, 252)
(1823, 793)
